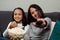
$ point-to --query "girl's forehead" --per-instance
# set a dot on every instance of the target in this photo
(18, 10)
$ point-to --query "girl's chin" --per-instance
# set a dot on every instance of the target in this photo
(17, 21)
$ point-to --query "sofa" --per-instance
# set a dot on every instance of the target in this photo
(6, 17)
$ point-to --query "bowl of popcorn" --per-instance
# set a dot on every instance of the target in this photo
(16, 32)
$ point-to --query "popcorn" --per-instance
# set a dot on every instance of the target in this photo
(16, 32)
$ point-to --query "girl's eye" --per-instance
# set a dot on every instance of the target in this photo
(32, 13)
(19, 14)
(36, 10)
(15, 14)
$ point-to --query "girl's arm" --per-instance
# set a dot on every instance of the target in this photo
(5, 33)
(42, 23)
(48, 20)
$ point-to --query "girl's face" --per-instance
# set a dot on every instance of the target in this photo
(34, 13)
(18, 15)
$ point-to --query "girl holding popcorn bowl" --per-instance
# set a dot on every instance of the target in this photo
(18, 26)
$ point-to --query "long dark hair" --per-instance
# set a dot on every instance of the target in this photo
(24, 21)
(41, 14)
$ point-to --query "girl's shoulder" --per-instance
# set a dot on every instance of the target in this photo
(47, 18)
(9, 23)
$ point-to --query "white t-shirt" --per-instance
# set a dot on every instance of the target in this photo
(5, 33)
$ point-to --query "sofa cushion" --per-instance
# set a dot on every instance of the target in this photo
(53, 15)
(5, 18)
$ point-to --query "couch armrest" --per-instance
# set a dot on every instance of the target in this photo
(52, 26)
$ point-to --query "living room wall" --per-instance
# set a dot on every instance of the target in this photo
(46, 5)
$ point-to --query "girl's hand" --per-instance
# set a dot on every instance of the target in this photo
(43, 24)
(13, 24)
(43, 21)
